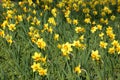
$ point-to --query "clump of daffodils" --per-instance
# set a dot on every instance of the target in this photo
(35, 38)
(39, 63)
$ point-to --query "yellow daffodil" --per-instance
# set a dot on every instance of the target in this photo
(79, 29)
(59, 46)
(41, 44)
(54, 12)
(12, 27)
(45, 26)
(2, 33)
(66, 49)
(99, 27)
(19, 17)
(4, 24)
(81, 38)
(103, 44)
(37, 56)
(101, 35)
(43, 59)
(77, 69)
(93, 29)
(30, 2)
(51, 20)
(118, 49)
(75, 21)
(35, 66)
(56, 37)
(50, 30)
(69, 20)
(42, 72)
(115, 43)
(9, 39)
(87, 20)
(112, 17)
(76, 43)
(95, 55)
(111, 50)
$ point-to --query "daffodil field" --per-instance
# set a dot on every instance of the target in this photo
(60, 40)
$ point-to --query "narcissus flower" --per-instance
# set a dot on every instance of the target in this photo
(30, 2)
(101, 35)
(95, 55)
(107, 10)
(103, 44)
(66, 49)
(2, 33)
(109, 32)
(10, 12)
(38, 2)
(103, 14)
(43, 59)
(76, 43)
(19, 18)
(12, 27)
(4, 24)
(69, 20)
(54, 12)
(42, 72)
(35, 66)
(67, 13)
(41, 44)
(86, 10)
(79, 29)
(77, 69)
(37, 56)
(50, 30)
(9, 38)
(115, 43)
(118, 49)
(112, 17)
(95, 12)
(81, 38)
(75, 21)
(51, 20)
(46, 26)
(99, 27)
(25, 9)
(34, 12)
(56, 37)
(35, 21)
(93, 29)
(59, 46)
(111, 50)
(87, 20)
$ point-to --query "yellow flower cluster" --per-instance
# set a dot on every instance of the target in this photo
(109, 32)
(39, 62)
(35, 37)
(115, 47)
(82, 19)
(66, 48)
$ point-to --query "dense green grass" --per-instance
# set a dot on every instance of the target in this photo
(16, 59)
